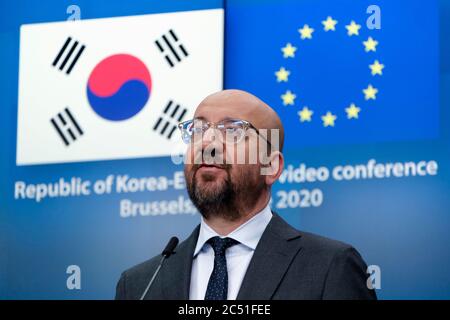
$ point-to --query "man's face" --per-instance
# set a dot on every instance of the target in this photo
(215, 182)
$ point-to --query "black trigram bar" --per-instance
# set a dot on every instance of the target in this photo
(74, 51)
(171, 48)
(66, 126)
(169, 119)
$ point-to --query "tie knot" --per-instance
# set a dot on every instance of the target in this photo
(219, 244)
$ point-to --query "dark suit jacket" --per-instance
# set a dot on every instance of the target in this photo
(287, 264)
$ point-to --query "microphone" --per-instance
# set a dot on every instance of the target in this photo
(167, 252)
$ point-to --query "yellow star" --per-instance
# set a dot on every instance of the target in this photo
(352, 111)
(289, 51)
(329, 24)
(306, 32)
(305, 114)
(288, 98)
(370, 92)
(377, 68)
(370, 44)
(353, 28)
(282, 74)
(328, 119)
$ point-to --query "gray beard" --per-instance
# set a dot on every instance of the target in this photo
(231, 201)
(222, 202)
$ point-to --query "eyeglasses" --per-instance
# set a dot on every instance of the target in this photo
(233, 130)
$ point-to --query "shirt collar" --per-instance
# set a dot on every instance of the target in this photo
(247, 234)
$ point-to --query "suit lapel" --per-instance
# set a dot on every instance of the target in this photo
(176, 274)
(275, 251)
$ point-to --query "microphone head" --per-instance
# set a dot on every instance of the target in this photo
(168, 250)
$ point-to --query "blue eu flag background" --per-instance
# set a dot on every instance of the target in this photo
(331, 78)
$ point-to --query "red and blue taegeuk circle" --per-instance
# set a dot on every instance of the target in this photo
(119, 87)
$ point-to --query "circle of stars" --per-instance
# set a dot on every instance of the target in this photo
(306, 33)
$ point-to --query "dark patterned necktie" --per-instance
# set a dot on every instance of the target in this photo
(218, 281)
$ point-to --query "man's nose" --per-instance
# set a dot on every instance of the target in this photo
(211, 134)
(212, 146)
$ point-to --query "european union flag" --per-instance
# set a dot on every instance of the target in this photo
(339, 71)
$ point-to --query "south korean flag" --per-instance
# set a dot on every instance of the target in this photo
(114, 88)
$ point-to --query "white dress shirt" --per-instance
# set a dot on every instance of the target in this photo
(238, 256)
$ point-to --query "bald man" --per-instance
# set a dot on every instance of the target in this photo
(242, 249)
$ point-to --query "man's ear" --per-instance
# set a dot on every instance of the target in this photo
(274, 167)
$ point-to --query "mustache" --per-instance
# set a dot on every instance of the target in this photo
(226, 167)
